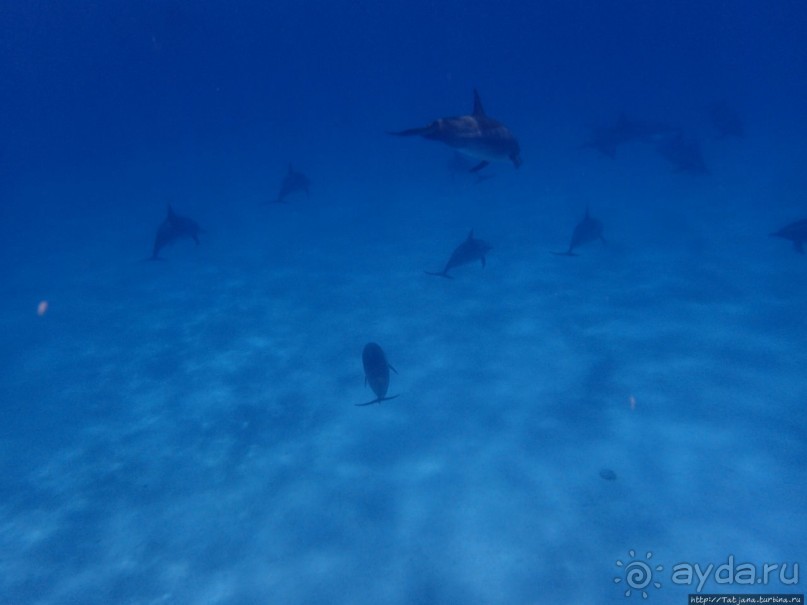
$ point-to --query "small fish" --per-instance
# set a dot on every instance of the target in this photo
(469, 251)
(376, 372)
(293, 182)
(173, 228)
(587, 230)
(796, 233)
(476, 135)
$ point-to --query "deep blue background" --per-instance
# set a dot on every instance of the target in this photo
(109, 81)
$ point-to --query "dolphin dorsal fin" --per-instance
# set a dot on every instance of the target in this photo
(478, 110)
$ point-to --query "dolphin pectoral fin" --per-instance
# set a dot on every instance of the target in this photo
(479, 166)
(391, 368)
(798, 245)
(441, 274)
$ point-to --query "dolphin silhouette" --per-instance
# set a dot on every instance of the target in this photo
(476, 135)
(606, 139)
(469, 251)
(376, 372)
(587, 230)
(293, 182)
(173, 228)
(796, 233)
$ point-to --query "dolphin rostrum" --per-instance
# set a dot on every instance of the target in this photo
(587, 230)
(796, 233)
(476, 135)
(376, 372)
(173, 228)
(469, 251)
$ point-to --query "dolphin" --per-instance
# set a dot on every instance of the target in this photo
(646, 131)
(476, 135)
(376, 372)
(606, 139)
(796, 233)
(173, 228)
(684, 153)
(292, 183)
(470, 250)
(587, 230)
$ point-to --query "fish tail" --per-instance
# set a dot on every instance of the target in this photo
(376, 400)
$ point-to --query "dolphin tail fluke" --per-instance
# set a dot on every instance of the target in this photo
(439, 274)
(376, 400)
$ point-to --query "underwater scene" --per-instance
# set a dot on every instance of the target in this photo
(403, 303)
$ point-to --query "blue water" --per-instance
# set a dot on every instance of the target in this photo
(184, 431)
